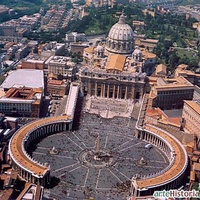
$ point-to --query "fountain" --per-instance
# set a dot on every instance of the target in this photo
(53, 151)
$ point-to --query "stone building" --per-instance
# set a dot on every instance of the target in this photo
(61, 65)
(75, 37)
(24, 102)
(169, 93)
(113, 81)
(191, 116)
(116, 69)
(191, 76)
(139, 25)
(33, 61)
(115, 76)
(51, 49)
(78, 48)
(56, 87)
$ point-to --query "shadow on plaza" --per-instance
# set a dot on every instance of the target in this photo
(33, 146)
(53, 183)
(78, 112)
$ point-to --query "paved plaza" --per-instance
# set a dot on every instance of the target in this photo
(81, 174)
(109, 108)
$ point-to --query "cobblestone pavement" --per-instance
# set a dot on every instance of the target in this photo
(82, 175)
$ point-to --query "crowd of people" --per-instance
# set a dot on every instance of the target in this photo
(109, 108)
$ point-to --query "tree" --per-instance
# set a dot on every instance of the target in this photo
(173, 59)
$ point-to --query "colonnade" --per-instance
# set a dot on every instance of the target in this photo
(27, 168)
(115, 91)
(155, 140)
(175, 153)
(172, 175)
(168, 186)
(30, 177)
(45, 130)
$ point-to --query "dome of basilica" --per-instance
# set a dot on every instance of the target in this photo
(120, 39)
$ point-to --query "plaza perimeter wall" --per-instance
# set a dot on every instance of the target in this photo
(172, 175)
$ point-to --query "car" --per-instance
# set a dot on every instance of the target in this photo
(148, 146)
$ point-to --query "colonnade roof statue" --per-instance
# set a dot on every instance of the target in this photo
(120, 39)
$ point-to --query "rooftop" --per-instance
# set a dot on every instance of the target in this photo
(89, 50)
(169, 83)
(146, 55)
(173, 113)
(116, 62)
(23, 93)
(31, 78)
(155, 112)
(194, 105)
(34, 58)
(161, 69)
(71, 101)
(196, 166)
(55, 82)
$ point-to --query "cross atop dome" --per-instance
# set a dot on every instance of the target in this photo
(122, 18)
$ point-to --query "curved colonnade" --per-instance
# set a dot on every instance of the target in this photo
(172, 175)
(28, 168)
(35, 172)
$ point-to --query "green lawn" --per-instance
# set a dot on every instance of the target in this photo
(187, 2)
(183, 52)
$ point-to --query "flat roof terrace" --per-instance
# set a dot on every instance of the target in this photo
(31, 78)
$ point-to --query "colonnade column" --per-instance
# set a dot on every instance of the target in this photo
(148, 136)
(95, 89)
(141, 135)
(133, 92)
(141, 93)
(126, 91)
(145, 136)
(113, 92)
(101, 90)
(65, 127)
(104, 88)
(70, 126)
(118, 91)
(89, 88)
(108, 91)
